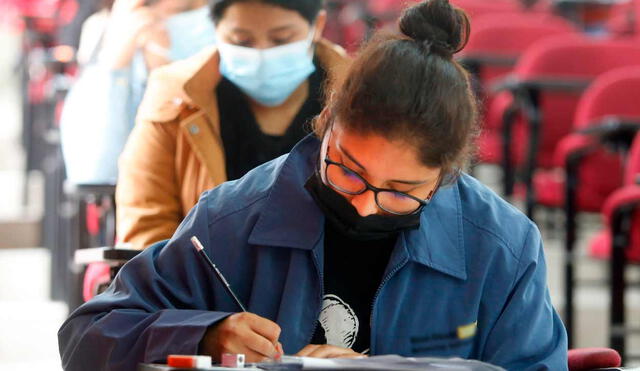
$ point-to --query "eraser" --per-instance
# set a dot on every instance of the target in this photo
(187, 361)
(232, 360)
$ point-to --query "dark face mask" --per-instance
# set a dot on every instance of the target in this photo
(345, 218)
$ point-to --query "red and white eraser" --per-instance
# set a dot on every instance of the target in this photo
(232, 360)
(186, 361)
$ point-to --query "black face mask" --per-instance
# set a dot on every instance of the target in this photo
(345, 218)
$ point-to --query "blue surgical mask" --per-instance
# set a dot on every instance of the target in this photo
(268, 76)
(189, 32)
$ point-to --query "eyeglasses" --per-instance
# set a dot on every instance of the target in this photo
(348, 181)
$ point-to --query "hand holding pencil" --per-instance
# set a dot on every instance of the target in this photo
(241, 333)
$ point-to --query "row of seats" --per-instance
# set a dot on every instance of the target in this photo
(561, 113)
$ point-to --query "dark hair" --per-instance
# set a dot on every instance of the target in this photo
(409, 87)
(308, 9)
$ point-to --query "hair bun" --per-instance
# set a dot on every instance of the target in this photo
(437, 25)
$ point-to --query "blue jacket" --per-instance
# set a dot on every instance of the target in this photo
(470, 282)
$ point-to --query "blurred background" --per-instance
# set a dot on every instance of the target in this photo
(558, 81)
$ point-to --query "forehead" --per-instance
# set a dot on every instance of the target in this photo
(251, 15)
(382, 157)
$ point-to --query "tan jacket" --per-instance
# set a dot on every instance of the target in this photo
(175, 151)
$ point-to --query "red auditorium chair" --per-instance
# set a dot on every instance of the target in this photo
(494, 47)
(577, 183)
(621, 242)
(542, 95)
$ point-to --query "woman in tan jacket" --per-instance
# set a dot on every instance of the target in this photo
(213, 117)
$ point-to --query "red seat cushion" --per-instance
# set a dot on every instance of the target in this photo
(95, 275)
(490, 147)
(591, 358)
(549, 186)
(601, 245)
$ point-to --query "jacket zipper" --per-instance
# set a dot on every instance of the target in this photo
(375, 298)
(317, 316)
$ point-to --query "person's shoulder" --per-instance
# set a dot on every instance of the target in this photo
(243, 196)
(165, 97)
(333, 58)
(488, 215)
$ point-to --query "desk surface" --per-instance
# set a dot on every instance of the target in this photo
(387, 363)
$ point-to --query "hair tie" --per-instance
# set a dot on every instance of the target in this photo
(438, 46)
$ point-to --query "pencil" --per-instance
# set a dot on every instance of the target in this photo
(196, 243)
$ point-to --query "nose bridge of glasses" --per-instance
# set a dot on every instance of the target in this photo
(365, 203)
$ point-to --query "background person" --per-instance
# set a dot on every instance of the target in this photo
(119, 46)
(218, 115)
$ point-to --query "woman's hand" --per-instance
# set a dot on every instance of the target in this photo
(328, 351)
(243, 333)
(130, 23)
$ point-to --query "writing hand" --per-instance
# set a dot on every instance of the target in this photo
(243, 333)
(328, 351)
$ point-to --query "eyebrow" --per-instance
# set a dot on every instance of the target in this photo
(277, 29)
(281, 28)
(350, 157)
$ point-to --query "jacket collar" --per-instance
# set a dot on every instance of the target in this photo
(290, 217)
(200, 87)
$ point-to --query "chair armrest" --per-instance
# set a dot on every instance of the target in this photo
(551, 84)
(488, 60)
(80, 191)
(614, 131)
(622, 198)
(572, 145)
(108, 255)
(507, 83)
(514, 83)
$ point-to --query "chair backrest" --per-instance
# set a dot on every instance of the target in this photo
(476, 8)
(499, 41)
(576, 57)
(507, 37)
(568, 59)
(511, 35)
(614, 93)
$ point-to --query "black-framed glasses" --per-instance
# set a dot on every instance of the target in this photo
(348, 181)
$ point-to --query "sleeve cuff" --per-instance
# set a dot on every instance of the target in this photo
(177, 331)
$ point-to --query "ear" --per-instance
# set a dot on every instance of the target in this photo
(321, 21)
